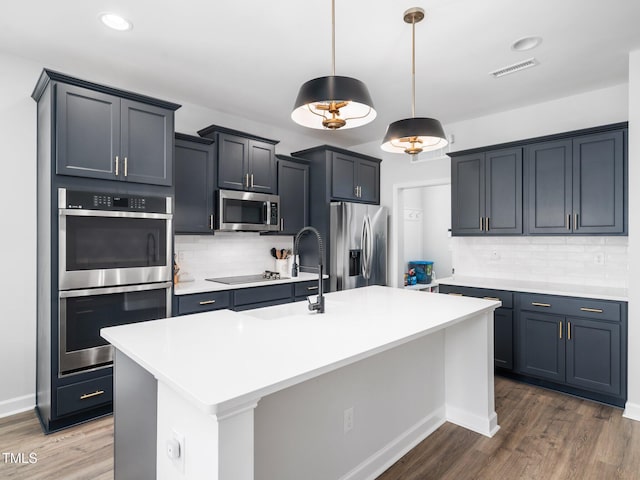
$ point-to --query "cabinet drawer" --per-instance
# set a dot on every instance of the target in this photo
(571, 306)
(304, 289)
(504, 296)
(261, 294)
(84, 395)
(203, 302)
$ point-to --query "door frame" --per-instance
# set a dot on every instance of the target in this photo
(395, 278)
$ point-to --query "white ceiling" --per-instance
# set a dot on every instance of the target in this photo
(249, 57)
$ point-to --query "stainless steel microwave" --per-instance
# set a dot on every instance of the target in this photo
(247, 211)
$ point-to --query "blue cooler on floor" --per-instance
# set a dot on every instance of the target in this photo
(423, 270)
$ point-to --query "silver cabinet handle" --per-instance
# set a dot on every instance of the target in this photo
(252, 180)
(126, 166)
(246, 180)
(312, 288)
(568, 221)
(487, 223)
(538, 304)
(210, 222)
(575, 221)
(491, 298)
(481, 224)
(117, 161)
(207, 302)
(282, 224)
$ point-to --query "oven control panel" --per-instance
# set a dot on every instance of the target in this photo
(81, 200)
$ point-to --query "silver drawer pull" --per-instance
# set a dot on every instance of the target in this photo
(593, 310)
(492, 298)
(94, 394)
(207, 302)
(312, 288)
(455, 294)
(537, 304)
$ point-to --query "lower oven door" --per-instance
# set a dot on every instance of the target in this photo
(84, 312)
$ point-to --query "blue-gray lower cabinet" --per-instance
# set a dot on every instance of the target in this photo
(578, 344)
(503, 346)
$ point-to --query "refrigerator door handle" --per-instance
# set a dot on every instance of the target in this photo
(366, 247)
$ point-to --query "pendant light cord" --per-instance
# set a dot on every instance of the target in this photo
(413, 67)
(333, 38)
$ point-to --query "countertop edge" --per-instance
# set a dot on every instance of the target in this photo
(544, 288)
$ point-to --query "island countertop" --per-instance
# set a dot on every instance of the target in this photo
(220, 360)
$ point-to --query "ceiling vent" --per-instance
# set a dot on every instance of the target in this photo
(516, 67)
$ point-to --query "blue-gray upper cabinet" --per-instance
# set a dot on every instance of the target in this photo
(354, 179)
(293, 188)
(245, 162)
(195, 183)
(577, 185)
(486, 193)
(101, 135)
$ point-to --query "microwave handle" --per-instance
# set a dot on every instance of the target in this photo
(267, 209)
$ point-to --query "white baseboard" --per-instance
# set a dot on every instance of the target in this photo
(632, 411)
(377, 463)
(17, 405)
(482, 425)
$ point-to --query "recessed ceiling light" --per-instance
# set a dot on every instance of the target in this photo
(526, 43)
(115, 21)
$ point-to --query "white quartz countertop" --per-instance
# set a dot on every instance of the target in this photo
(221, 360)
(200, 285)
(547, 288)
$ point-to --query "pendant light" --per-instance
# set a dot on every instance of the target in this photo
(333, 102)
(416, 134)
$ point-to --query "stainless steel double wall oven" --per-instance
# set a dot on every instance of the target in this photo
(115, 267)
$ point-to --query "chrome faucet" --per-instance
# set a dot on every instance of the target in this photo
(318, 305)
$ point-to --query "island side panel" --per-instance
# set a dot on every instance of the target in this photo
(397, 398)
(215, 447)
(134, 406)
(469, 380)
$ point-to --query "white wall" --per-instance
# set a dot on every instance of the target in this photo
(632, 409)
(437, 221)
(18, 239)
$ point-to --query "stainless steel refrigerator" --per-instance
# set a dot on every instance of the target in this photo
(358, 255)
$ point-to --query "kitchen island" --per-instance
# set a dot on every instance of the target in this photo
(280, 393)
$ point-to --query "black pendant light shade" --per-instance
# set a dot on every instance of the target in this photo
(333, 102)
(414, 135)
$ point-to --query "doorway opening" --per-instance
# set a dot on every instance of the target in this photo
(420, 228)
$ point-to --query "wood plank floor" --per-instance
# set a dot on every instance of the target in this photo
(544, 435)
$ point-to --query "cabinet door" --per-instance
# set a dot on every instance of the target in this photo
(194, 184)
(503, 338)
(147, 143)
(344, 175)
(262, 167)
(369, 181)
(293, 188)
(542, 346)
(467, 194)
(549, 170)
(87, 132)
(233, 158)
(503, 187)
(598, 183)
(593, 355)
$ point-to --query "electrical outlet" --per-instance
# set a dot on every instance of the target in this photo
(348, 419)
(175, 450)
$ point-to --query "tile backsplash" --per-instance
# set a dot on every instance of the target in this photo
(228, 253)
(598, 261)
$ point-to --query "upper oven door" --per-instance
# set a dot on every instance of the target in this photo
(248, 211)
(104, 248)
